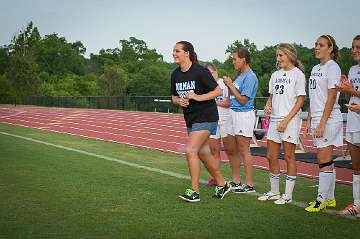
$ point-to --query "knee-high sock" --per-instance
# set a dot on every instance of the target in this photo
(289, 185)
(274, 183)
(356, 190)
(331, 193)
(325, 180)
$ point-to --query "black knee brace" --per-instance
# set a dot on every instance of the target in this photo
(321, 165)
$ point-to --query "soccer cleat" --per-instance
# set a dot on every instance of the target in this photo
(245, 189)
(283, 200)
(315, 206)
(350, 210)
(269, 196)
(235, 186)
(211, 182)
(221, 191)
(190, 196)
(328, 202)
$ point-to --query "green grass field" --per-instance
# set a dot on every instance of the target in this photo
(50, 192)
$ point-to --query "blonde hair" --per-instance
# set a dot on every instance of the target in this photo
(291, 52)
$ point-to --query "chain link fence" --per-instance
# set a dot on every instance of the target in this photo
(130, 103)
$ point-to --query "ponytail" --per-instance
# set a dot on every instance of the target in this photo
(188, 47)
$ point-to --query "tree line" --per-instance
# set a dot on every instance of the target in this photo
(35, 65)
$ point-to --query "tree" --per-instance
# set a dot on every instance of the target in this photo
(245, 44)
(152, 79)
(56, 56)
(22, 75)
(24, 42)
(113, 82)
(4, 59)
(6, 90)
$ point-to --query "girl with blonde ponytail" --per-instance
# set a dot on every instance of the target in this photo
(287, 95)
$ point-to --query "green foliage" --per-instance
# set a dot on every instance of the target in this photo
(23, 44)
(152, 79)
(52, 66)
(58, 57)
(6, 91)
(113, 82)
(4, 59)
(22, 75)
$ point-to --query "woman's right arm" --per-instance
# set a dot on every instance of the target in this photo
(176, 100)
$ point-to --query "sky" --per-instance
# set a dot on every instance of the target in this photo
(210, 25)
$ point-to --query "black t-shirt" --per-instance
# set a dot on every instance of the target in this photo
(200, 80)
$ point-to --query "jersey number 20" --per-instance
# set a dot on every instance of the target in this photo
(312, 84)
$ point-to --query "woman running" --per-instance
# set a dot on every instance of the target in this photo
(325, 118)
(194, 89)
(287, 95)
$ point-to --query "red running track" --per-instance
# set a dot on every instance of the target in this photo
(161, 131)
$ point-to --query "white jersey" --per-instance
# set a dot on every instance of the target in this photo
(353, 118)
(322, 78)
(285, 87)
(223, 112)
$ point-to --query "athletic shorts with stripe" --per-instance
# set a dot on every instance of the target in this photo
(333, 135)
(224, 128)
(243, 123)
(291, 133)
(353, 138)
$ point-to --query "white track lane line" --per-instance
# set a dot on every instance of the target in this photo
(139, 166)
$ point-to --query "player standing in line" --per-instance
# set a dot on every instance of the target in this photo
(287, 95)
(243, 91)
(194, 89)
(351, 86)
(325, 118)
(224, 128)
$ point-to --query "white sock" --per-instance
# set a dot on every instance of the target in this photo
(331, 193)
(325, 180)
(274, 183)
(289, 186)
(356, 190)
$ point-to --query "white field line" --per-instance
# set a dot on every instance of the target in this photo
(138, 166)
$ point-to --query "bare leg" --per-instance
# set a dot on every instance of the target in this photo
(234, 157)
(243, 145)
(194, 144)
(211, 163)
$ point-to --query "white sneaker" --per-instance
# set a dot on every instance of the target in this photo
(269, 196)
(283, 200)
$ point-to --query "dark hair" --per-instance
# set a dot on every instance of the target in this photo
(356, 38)
(335, 54)
(188, 47)
(243, 53)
